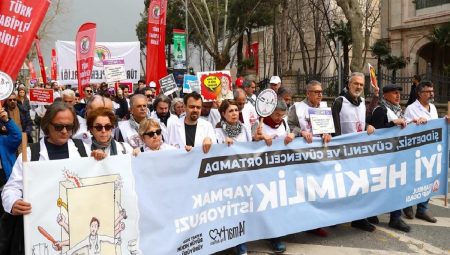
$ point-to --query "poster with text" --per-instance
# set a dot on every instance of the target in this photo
(41, 96)
(215, 85)
(168, 85)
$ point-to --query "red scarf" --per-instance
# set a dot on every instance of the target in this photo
(269, 122)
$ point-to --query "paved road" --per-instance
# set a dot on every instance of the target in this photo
(424, 238)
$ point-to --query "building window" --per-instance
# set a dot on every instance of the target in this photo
(421, 4)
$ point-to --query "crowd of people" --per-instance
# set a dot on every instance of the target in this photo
(107, 122)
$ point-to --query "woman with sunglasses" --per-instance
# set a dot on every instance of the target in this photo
(100, 123)
(150, 132)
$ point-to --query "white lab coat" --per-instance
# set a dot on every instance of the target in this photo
(177, 133)
(13, 189)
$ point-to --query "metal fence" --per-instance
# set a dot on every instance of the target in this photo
(330, 84)
(421, 4)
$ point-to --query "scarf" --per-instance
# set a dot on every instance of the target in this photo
(134, 125)
(232, 131)
(103, 146)
(269, 122)
(397, 109)
(14, 114)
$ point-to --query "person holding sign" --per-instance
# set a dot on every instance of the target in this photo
(420, 112)
(389, 114)
(274, 126)
(349, 116)
(298, 117)
(192, 131)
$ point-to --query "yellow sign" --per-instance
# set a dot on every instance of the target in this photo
(212, 82)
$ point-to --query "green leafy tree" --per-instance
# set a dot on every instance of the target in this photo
(394, 63)
(441, 37)
(342, 31)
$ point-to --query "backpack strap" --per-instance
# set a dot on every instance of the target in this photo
(80, 146)
(124, 151)
(35, 149)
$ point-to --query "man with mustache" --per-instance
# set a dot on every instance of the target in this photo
(349, 116)
(192, 131)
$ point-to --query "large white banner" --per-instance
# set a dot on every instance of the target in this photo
(86, 207)
(67, 69)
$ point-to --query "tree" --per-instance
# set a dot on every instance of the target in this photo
(362, 15)
(380, 50)
(394, 63)
(342, 32)
(441, 37)
(353, 13)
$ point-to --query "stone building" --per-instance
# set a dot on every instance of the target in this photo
(407, 24)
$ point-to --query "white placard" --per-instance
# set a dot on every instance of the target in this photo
(6, 85)
(266, 102)
(321, 120)
(114, 70)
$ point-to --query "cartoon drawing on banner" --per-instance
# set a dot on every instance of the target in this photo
(84, 230)
(215, 85)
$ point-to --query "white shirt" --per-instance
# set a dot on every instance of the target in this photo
(177, 133)
(164, 132)
(213, 117)
(130, 135)
(276, 133)
(417, 110)
(13, 189)
(249, 115)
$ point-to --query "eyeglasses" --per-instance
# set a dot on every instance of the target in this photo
(152, 133)
(88, 91)
(317, 92)
(428, 91)
(60, 127)
(12, 100)
(107, 127)
(149, 96)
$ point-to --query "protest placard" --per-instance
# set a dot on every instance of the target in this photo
(168, 85)
(114, 70)
(321, 120)
(215, 85)
(40, 96)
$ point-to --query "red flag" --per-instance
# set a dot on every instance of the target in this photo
(31, 69)
(53, 73)
(156, 38)
(20, 20)
(41, 59)
(85, 45)
(254, 52)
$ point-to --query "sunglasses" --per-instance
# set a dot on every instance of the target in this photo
(89, 91)
(152, 133)
(148, 96)
(107, 127)
(12, 100)
(60, 127)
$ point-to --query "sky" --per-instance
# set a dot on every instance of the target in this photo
(116, 21)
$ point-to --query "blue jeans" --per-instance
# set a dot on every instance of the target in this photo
(422, 207)
(395, 215)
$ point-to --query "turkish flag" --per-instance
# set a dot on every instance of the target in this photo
(156, 40)
(85, 45)
(20, 21)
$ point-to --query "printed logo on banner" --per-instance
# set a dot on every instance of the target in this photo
(84, 45)
(191, 244)
(101, 53)
(223, 234)
(156, 12)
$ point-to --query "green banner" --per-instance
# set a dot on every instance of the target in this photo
(179, 49)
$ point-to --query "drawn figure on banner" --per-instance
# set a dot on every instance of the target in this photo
(225, 89)
(75, 204)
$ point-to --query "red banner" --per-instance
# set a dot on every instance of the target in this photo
(254, 51)
(53, 72)
(156, 39)
(85, 45)
(41, 59)
(31, 69)
(41, 96)
(19, 21)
